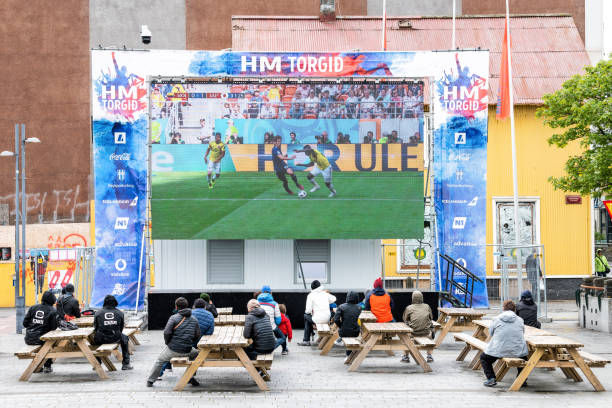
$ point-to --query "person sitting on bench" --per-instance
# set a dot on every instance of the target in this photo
(39, 320)
(108, 326)
(67, 305)
(347, 317)
(380, 303)
(507, 334)
(258, 328)
(418, 317)
(317, 310)
(180, 333)
(528, 310)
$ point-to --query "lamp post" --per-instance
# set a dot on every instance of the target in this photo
(20, 142)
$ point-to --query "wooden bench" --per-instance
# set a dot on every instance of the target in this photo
(425, 343)
(131, 333)
(327, 336)
(27, 352)
(263, 362)
(593, 360)
(471, 343)
(354, 345)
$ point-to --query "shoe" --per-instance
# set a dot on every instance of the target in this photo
(301, 187)
(284, 352)
(149, 383)
(126, 367)
(338, 342)
(405, 359)
(290, 192)
(315, 188)
(158, 378)
(430, 359)
(213, 182)
(169, 369)
(490, 382)
(331, 195)
(194, 382)
(303, 343)
(47, 370)
(210, 185)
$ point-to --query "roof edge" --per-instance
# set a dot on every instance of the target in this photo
(251, 17)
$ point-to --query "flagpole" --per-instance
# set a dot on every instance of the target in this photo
(454, 14)
(519, 271)
(384, 26)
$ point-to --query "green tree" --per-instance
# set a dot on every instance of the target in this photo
(582, 110)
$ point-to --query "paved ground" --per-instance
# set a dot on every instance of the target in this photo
(305, 379)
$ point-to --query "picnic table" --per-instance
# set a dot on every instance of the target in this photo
(367, 316)
(230, 320)
(546, 350)
(381, 336)
(84, 321)
(131, 328)
(67, 344)
(224, 310)
(225, 348)
(455, 320)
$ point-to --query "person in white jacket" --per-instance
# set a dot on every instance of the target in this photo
(317, 310)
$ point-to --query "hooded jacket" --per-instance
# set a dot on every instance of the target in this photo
(418, 316)
(181, 339)
(380, 303)
(269, 305)
(507, 336)
(108, 323)
(527, 310)
(347, 316)
(257, 327)
(205, 319)
(285, 327)
(67, 304)
(40, 319)
(317, 304)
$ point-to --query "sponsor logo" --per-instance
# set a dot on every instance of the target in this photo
(462, 262)
(39, 314)
(473, 202)
(465, 243)
(460, 138)
(120, 274)
(459, 185)
(454, 201)
(119, 137)
(120, 186)
(119, 289)
(109, 316)
(120, 175)
(459, 175)
(459, 222)
(459, 156)
(310, 64)
(120, 265)
(121, 223)
(125, 244)
(134, 202)
(116, 201)
(122, 156)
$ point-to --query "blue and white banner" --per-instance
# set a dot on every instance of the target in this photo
(460, 171)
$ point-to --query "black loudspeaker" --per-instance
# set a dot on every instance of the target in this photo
(5, 254)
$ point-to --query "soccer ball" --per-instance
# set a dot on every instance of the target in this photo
(302, 194)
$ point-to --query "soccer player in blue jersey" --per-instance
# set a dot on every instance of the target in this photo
(281, 168)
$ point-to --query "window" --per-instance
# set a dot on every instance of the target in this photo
(225, 261)
(312, 259)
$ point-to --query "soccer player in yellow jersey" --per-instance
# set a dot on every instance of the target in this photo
(217, 152)
(321, 166)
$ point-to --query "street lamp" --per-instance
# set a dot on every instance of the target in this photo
(20, 142)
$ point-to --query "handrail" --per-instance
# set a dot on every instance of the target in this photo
(458, 265)
(592, 287)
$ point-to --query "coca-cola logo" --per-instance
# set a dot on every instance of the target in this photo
(122, 156)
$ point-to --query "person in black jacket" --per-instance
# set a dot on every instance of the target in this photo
(39, 320)
(209, 304)
(180, 333)
(108, 326)
(257, 327)
(527, 310)
(67, 304)
(347, 317)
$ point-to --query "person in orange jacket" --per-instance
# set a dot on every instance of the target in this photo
(380, 303)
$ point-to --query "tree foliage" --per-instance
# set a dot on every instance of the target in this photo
(582, 110)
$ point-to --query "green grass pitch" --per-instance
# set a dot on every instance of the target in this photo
(251, 205)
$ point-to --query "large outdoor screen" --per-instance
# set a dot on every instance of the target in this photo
(314, 159)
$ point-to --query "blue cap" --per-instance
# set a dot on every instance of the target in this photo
(266, 289)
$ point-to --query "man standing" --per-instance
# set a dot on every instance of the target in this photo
(108, 328)
(281, 168)
(602, 268)
(217, 152)
(321, 166)
(205, 132)
(39, 320)
(532, 265)
(317, 310)
(180, 333)
(267, 303)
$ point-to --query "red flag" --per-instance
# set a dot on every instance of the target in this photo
(503, 92)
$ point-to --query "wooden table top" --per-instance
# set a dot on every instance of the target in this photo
(83, 321)
(58, 334)
(224, 320)
(529, 331)
(367, 316)
(398, 328)
(460, 311)
(133, 324)
(224, 310)
(552, 341)
(224, 336)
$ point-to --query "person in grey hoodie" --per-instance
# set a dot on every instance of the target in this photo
(507, 334)
(180, 333)
(258, 328)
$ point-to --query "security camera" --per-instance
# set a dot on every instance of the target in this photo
(145, 34)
